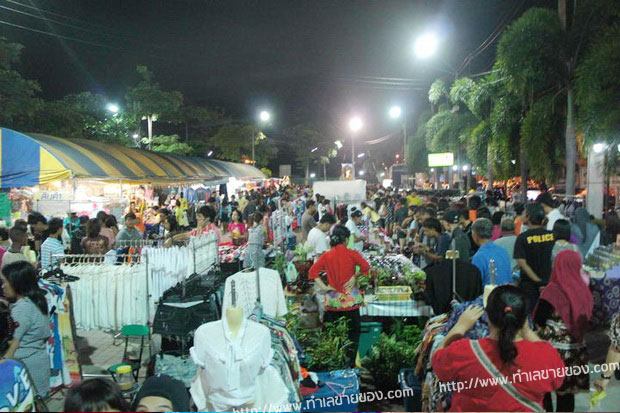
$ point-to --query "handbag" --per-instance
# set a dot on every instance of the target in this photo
(335, 300)
(501, 380)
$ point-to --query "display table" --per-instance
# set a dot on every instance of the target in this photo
(606, 295)
(409, 308)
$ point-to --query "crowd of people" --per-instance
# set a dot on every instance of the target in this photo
(538, 314)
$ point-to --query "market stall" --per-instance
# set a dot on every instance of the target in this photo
(55, 175)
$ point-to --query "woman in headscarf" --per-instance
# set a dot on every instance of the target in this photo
(562, 315)
(587, 233)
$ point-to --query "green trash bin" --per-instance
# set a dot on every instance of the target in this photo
(370, 332)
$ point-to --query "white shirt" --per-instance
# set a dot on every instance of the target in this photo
(553, 216)
(358, 246)
(271, 292)
(229, 367)
(317, 240)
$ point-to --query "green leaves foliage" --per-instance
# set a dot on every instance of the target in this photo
(169, 144)
(438, 91)
(541, 139)
(530, 52)
(598, 92)
(233, 142)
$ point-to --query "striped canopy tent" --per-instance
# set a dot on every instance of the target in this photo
(29, 159)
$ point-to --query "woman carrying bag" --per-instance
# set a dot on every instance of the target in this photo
(342, 298)
(524, 367)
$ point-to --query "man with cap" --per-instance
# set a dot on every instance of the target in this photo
(451, 222)
(553, 214)
(162, 394)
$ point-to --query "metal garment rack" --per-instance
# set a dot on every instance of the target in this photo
(138, 243)
(79, 259)
(192, 243)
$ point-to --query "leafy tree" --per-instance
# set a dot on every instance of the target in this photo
(18, 96)
(304, 138)
(268, 173)
(168, 144)
(148, 101)
(234, 142)
(417, 159)
(598, 89)
(539, 54)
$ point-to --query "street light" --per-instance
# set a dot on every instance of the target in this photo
(314, 149)
(426, 45)
(112, 107)
(455, 168)
(598, 147)
(361, 155)
(355, 124)
(465, 167)
(265, 116)
(210, 153)
(312, 175)
(361, 173)
(135, 136)
(395, 112)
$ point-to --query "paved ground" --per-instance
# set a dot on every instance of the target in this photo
(98, 351)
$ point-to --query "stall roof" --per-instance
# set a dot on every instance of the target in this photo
(29, 159)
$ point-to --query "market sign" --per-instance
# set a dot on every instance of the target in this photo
(53, 196)
(440, 159)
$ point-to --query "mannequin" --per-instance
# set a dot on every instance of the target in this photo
(234, 316)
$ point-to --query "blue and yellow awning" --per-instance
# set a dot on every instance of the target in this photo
(33, 159)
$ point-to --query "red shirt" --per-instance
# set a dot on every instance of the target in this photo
(538, 369)
(339, 263)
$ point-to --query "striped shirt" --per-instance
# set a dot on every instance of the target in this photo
(51, 246)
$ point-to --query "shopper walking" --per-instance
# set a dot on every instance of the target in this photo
(342, 298)
(563, 314)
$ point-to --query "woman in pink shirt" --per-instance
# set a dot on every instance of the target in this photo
(237, 228)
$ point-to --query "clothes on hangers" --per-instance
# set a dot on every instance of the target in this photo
(271, 292)
(229, 366)
(65, 369)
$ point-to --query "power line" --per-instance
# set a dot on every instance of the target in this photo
(60, 15)
(57, 22)
(60, 36)
(99, 33)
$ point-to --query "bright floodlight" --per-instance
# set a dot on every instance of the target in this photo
(111, 107)
(455, 168)
(619, 147)
(465, 167)
(426, 45)
(598, 147)
(314, 149)
(513, 161)
(395, 112)
(136, 136)
(355, 124)
(265, 116)
(432, 169)
(210, 153)
(361, 173)
(338, 144)
(312, 175)
(361, 155)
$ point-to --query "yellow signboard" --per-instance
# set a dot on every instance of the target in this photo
(440, 159)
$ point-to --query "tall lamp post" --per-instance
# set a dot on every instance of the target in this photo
(264, 117)
(395, 113)
(355, 124)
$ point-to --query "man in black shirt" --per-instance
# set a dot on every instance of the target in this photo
(533, 253)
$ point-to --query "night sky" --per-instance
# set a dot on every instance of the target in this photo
(319, 61)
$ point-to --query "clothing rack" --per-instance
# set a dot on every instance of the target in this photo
(138, 243)
(86, 259)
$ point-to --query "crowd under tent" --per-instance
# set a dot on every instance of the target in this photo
(82, 175)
